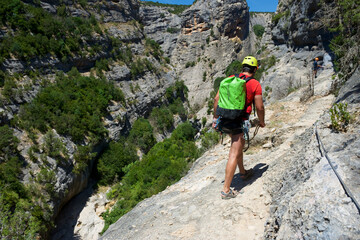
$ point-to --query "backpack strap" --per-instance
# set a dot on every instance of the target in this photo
(243, 77)
(246, 80)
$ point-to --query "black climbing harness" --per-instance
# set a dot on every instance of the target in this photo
(246, 128)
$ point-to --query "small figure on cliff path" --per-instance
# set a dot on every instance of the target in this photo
(235, 125)
(316, 66)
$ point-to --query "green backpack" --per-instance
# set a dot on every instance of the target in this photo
(232, 97)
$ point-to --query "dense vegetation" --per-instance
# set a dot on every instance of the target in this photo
(344, 20)
(111, 164)
(24, 212)
(164, 164)
(141, 136)
(73, 105)
(173, 8)
(34, 32)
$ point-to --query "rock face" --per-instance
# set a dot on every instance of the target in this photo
(308, 199)
(299, 24)
(350, 92)
(211, 38)
(294, 192)
(254, 42)
(162, 26)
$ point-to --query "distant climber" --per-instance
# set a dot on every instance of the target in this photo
(316, 66)
(231, 119)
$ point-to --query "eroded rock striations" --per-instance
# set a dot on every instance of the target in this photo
(300, 23)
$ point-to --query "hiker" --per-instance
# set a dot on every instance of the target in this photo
(235, 127)
(316, 66)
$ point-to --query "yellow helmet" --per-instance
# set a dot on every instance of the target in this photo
(251, 61)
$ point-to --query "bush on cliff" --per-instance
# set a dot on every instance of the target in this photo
(165, 164)
(36, 32)
(345, 25)
(141, 135)
(259, 30)
(24, 214)
(113, 160)
(73, 105)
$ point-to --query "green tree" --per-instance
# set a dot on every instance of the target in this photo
(234, 68)
(163, 118)
(184, 132)
(141, 134)
(114, 159)
(8, 143)
(259, 30)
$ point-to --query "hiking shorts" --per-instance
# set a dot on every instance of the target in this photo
(231, 126)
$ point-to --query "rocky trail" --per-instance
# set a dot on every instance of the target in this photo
(288, 182)
(193, 208)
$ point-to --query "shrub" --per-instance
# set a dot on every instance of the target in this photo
(82, 158)
(154, 48)
(173, 30)
(209, 139)
(8, 143)
(177, 107)
(178, 90)
(53, 146)
(173, 8)
(140, 66)
(184, 131)
(259, 30)
(340, 117)
(217, 84)
(141, 135)
(341, 19)
(19, 215)
(114, 159)
(190, 64)
(163, 118)
(233, 68)
(203, 121)
(2, 78)
(211, 102)
(9, 87)
(276, 17)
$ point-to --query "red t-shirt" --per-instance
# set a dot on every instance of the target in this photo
(253, 88)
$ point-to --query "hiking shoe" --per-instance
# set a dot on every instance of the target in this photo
(247, 175)
(228, 195)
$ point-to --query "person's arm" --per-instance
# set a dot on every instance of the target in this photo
(260, 110)
(216, 100)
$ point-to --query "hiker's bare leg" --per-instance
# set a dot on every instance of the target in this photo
(235, 159)
(240, 156)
